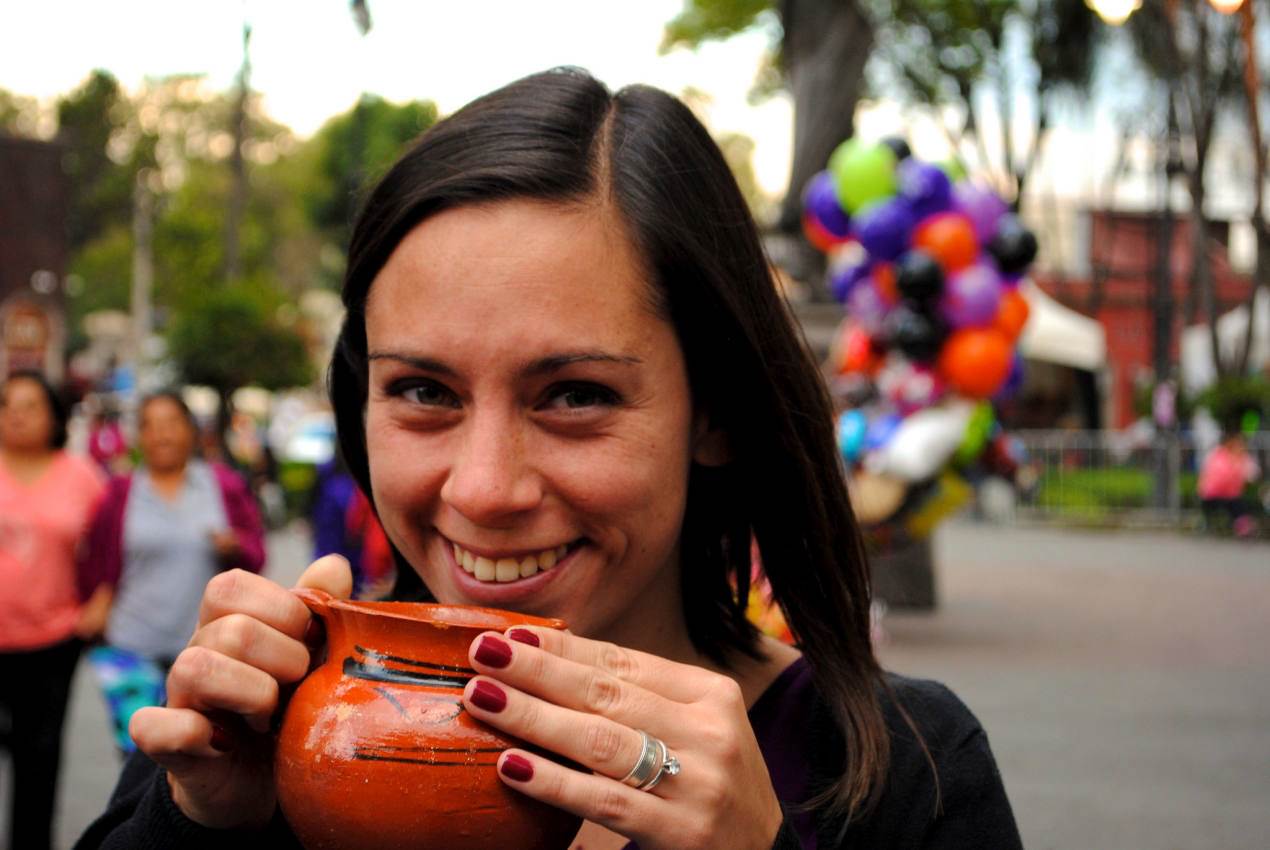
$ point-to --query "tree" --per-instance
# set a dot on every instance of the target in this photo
(231, 337)
(19, 115)
(819, 48)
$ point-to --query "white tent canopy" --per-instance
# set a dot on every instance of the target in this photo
(1058, 334)
(1198, 369)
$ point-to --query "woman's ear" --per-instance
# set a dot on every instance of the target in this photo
(709, 444)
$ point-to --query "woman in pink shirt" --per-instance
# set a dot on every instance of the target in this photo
(47, 498)
(1226, 472)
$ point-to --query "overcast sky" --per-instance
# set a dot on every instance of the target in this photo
(310, 62)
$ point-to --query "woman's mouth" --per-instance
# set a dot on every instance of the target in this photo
(505, 569)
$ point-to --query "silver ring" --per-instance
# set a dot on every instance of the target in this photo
(655, 762)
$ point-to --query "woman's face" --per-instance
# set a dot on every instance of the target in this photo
(165, 436)
(528, 422)
(26, 421)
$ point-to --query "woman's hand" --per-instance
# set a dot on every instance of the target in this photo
(588, 701)
(213, 738)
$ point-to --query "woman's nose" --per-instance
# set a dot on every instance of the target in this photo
(489, 480)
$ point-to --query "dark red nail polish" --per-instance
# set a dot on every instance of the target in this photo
(493, 652)
(221, 741)
(314, 632)
(488, 696)
(524, 636)
(518, 768)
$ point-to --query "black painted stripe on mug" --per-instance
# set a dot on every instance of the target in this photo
(422, 762)
(380, 656)
(375, 673)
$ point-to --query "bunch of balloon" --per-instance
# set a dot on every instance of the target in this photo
(927, 266)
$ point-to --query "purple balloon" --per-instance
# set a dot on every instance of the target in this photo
(884, 229)
(983, 207)
(971, 296)
(926, 187)
(1013, 381)
(844, 278)
(866, 306)
(820, 201)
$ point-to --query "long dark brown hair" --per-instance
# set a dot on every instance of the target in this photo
(561, 136)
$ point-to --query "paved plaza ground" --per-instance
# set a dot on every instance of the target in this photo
(1124, 680)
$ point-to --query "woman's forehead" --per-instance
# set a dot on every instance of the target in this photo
(564, 264)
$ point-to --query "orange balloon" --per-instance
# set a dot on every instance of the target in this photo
(884, 280)
(949, 238)
(976, 361)
(1012, 314)
(855, 351)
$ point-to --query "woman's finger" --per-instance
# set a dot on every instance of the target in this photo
(568, 683)
(617, 807)
(608, 747)
(241, 592)
(331, 573)
(204, 680)
(174, 738)
(255, 644)
(670, 679)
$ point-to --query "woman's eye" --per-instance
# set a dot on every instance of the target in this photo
(426, 393)
(577, 396)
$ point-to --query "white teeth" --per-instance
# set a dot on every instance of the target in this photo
(508, 569)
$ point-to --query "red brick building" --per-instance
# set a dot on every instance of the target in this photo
(33, 257)
(1120, 292)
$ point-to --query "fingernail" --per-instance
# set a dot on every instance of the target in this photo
(524, 636)
(314, 632)
(221, 740)
(517, 768)
(488, 696)
(493, 652)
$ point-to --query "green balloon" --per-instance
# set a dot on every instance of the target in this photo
(978, 430)
(954, 169)
(863, 173)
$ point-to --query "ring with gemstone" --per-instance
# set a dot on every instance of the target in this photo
(655, 762)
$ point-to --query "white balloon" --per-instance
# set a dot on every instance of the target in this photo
(924, 442)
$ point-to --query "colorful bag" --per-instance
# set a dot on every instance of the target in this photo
(128, 681)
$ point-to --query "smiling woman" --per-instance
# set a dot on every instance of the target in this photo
(569, 385)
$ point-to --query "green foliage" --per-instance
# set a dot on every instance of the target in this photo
(231, 337)
(354, 149)
(706, 20)
(1233, 396)
(19, 116)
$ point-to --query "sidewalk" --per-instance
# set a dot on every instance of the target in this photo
(1124, 680)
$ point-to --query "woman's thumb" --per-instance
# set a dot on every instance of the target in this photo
(331, 573)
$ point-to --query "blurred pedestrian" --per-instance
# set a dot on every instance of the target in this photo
(1226, 472)
(328, 514)
(161, 534)
(47, 497)
(106, 441)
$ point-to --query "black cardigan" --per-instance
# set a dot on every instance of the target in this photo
(970, 811)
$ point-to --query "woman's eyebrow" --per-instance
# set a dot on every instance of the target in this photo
(424, 364)
(556, 362)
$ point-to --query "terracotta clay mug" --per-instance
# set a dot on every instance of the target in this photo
(376, 749)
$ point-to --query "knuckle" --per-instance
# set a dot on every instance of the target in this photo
(727, 691)
(236, 635)
(223, 589)
(616, 661)
(192, 667)
(611, 806)
(602, 742)
(603, 694)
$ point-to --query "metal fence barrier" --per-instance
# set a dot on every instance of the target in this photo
(1115, 478)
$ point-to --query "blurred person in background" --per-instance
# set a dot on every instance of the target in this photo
(47, 498)
(160, 535)
(1227, 470)
(106, 441)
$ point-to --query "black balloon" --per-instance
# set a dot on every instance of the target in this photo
(1014, 246)
(914, 332)
(919, 277)
(899, 147)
